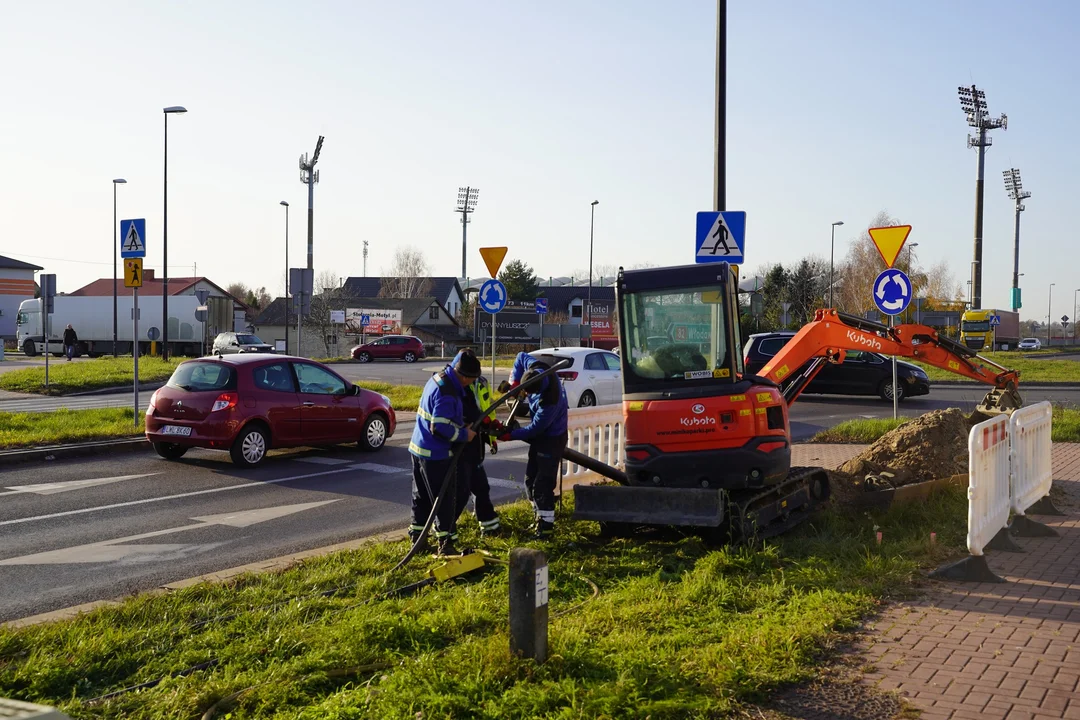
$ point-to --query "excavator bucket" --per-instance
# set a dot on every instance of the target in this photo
(649, 505)
(999, 401)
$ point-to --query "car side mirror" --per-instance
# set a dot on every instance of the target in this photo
(354, 389)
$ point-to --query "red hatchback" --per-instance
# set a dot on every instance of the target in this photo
(391, 347)
(250, 403)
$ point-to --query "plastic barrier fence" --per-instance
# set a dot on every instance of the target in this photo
(988, 484)
(1029, 433)
(598, 433)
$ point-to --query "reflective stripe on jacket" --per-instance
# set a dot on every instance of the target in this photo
(439, 420)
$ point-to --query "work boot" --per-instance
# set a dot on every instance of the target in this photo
(544, 530)
(413, 537)
(491, 528)
(447, 547)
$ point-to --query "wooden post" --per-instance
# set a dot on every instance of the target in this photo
(529, 604)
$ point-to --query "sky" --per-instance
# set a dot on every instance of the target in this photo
(835, 111)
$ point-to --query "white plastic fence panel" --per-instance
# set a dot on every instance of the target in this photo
(1032, 473)
(988, 483)
(17, 710)
(598, 433)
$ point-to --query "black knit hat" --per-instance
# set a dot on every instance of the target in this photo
(466, 365)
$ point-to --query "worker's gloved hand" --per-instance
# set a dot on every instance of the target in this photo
(494, 448)
(504, 387)
(505, 437)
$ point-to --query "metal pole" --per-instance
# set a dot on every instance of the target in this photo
(464, 232)
(287, 280)
(135, 346)
(1016, 257)
(976, 289)
(165, 254)
(832, 252)
(311, 217)
(299, 316)
(114, 254)
(45, 325)
(493, 348)
(720, 160)
(588, 313)
(1049, 314)
(895, 401)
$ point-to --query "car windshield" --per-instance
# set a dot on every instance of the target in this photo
(248, 340)
(552, 358)
(675, 335)
(203, 377)
(976, 326)
(1031, 341)
(22, 319)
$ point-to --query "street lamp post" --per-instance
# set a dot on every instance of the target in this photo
(911, 247)
(1074, 315)
(1049, 313)
(588, 309)
(832, 252)
(286, 276)
(116, 251)
(172, 110)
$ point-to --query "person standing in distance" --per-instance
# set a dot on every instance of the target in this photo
(70, 340)
(476, 403)
(546, 435)
(440, 424)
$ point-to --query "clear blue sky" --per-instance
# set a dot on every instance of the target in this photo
(836, 110)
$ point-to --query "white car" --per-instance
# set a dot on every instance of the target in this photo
(1030, 344)
(593, 378)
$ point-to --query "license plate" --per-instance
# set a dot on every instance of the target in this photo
(175, 430)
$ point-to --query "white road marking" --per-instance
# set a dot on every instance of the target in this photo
(324, 461)
(59, 487)
(112, 551)
(382, 469)
(194, 493)
(511, 484)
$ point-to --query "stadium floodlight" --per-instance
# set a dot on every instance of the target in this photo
(466, 204)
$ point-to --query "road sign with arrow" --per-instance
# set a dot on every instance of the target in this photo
(892, 292)
(492, 296)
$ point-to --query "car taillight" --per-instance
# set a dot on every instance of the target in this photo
(152, 405)
(225, 401)
(567, 375)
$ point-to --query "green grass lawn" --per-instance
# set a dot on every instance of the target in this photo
(1031, 369)
(402, 397)
(66, 426)
(679, 629)
(70, 377)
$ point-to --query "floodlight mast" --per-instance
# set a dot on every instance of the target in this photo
(1015, 187)
(466, 204)
(309, 176)
(973, 103)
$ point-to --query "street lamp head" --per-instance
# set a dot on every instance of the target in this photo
(913, 245)
(595, 202)
(285, 203)
(175, 109)
(838, 222)
(119, 181)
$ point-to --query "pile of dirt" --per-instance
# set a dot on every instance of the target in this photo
(929, 447)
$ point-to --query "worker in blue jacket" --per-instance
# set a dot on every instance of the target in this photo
(477, 404)
(546, 435)
(440, 425)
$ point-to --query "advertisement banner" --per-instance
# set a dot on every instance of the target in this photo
(602, 318)
(379, 321)
(511, 326)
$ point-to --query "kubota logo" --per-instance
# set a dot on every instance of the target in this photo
(698, 409)
(697, 422)
(872, 343)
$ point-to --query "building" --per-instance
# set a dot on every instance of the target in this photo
(226, 313)
(16, 284)
(425, 317)
(447, 290)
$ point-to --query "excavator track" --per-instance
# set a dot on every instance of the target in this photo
(774, 511)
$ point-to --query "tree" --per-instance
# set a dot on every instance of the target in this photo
(327, 281)
(520, 281)
(855, 275)
(263, 298)
(807, 285)
(238, 290)
(408, 277)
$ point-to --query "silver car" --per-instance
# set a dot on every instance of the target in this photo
(228, 343)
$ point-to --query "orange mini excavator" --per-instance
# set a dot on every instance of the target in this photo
(708, 445)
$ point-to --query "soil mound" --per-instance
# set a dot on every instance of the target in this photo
(929, 447)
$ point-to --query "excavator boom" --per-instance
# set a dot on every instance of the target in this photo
(832, 333)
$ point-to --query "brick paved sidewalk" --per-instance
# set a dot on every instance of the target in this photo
(987, 651)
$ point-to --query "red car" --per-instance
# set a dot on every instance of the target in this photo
(390, 347)
(250, 403)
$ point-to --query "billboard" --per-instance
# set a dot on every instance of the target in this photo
(380, 321)
(511, 326)
(601, 314)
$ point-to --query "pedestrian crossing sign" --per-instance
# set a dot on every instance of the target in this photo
(133, 238)
(720, 237)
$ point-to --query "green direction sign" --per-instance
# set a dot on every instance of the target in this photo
(690, 333)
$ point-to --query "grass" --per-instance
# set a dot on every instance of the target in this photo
(66, 426)
(861, 431)
(81, 376)
(1066, 427)
(679, 629)
(402, 397)
(1030, 369)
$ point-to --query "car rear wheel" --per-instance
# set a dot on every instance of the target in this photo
(588, 399)
(886, 390)
(374, 433)
(364, 357)
(250, 446)
(170, 451)
(410, 357)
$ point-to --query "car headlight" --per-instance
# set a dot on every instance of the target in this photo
(386, 399)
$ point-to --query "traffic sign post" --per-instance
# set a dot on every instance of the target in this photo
(133, 273)
(995, 320)
(720, 237)
(541, 310)
(493, 258)
(135, 348)
(892, 289)
(889, 241)
(133, 238)
(48, 292)
(492, 300)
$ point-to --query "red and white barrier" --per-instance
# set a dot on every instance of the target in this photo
(1032, 475)
(598, 433)
(988, 482)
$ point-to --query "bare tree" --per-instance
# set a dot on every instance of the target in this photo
(855, 275)
(328, 281)
(408, 277)
(238, 290)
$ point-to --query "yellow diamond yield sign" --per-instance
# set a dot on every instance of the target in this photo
(493, 258)
(889, 241)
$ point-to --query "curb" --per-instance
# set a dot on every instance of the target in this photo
(74, 450)
(1023, 385)
(113, 390)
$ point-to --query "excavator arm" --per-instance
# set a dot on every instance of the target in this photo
(832, 333)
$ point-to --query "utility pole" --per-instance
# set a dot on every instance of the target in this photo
(365, 258)
(466, 204)
(1015, 188)
(309, 176)
(973, 103)
(720, 137)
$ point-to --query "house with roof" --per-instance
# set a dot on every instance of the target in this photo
(225, 312)
(423, 317)
(446, 290)
(16, 284)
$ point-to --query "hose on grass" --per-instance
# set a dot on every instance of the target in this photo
(578, 606)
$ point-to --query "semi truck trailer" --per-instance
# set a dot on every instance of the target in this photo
(977, 332)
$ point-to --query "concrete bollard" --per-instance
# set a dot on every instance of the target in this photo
(529, 604)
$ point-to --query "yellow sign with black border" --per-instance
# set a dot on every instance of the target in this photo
(133, 275)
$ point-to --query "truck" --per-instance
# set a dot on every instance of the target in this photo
(92, 319)
(977, 332)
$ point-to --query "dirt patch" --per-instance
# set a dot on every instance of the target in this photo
(837, 694)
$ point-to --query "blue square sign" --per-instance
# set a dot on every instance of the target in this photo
(541, 306)
(720, 237)
(133, 238)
